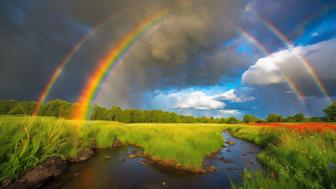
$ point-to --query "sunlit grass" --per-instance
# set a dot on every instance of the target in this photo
(291, 159)
(27, 141)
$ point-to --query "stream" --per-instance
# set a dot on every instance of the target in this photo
(112, 169)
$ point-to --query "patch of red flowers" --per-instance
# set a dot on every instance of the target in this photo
(301, 127)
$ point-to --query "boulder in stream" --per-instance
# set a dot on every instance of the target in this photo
(117, 143)
(50, 168)
(83, 155)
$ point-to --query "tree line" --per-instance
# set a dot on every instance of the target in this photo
(63, 109)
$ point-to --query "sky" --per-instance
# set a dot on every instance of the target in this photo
(215, 58)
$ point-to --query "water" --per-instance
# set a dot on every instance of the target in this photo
(111, 168)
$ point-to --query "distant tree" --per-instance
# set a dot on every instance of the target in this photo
(274, 118)
(330, 112)
(7, 105)
(100, 113)
(261, 120)
(299, 117)
(222, 120)
(24, 107)
(295, 118)
(232, 120)
(249, 118)
(115, 113)
(314, 119)
(56, 108)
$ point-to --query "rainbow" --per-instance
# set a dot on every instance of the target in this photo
(292, 84)
(299, 55)
(60, 67)
(100, 73)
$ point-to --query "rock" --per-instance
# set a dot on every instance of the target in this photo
(228, 150)
(250, 162)
(230, 142)
(6, 182)
(131, 156)
(211, 169)
(147, 162)
(51, 167)
(107, 157)
(222, 159)
(83, 155)
(122, 159)
(117, 143)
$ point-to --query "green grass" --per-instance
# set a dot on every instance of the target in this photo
(187, 144)
(291, 159)
(27, 141)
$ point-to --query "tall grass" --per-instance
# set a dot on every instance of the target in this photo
(187, 144)
(292, 159)
(27, 141)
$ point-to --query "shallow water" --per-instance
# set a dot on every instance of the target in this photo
(111, 168)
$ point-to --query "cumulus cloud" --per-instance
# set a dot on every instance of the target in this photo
(228, 113)
(199, 100)
(192, 100)
(286, 65)
(196, 102)
(231, 95)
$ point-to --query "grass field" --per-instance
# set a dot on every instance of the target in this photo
(292, 157)
(26, 141)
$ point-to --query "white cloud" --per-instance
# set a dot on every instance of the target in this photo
(196, 100)
(278, 67)
(231, 95)
(229, 113)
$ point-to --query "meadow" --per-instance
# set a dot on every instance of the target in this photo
(27, 141)
(293, 156)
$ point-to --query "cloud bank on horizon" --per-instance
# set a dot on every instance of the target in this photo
(197, 61)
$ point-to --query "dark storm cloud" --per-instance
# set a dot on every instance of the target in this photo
(288, 16)
(182, 51)
(36, 35)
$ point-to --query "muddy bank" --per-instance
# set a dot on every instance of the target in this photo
(51, 168)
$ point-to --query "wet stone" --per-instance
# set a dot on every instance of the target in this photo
(230, 142)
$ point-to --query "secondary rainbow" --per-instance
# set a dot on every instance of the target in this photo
(60, 67)
(100, 73)
(292, 84)
(299, 55)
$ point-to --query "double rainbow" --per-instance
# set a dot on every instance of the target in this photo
(291, 83)
(115, 55)
(299, 55)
